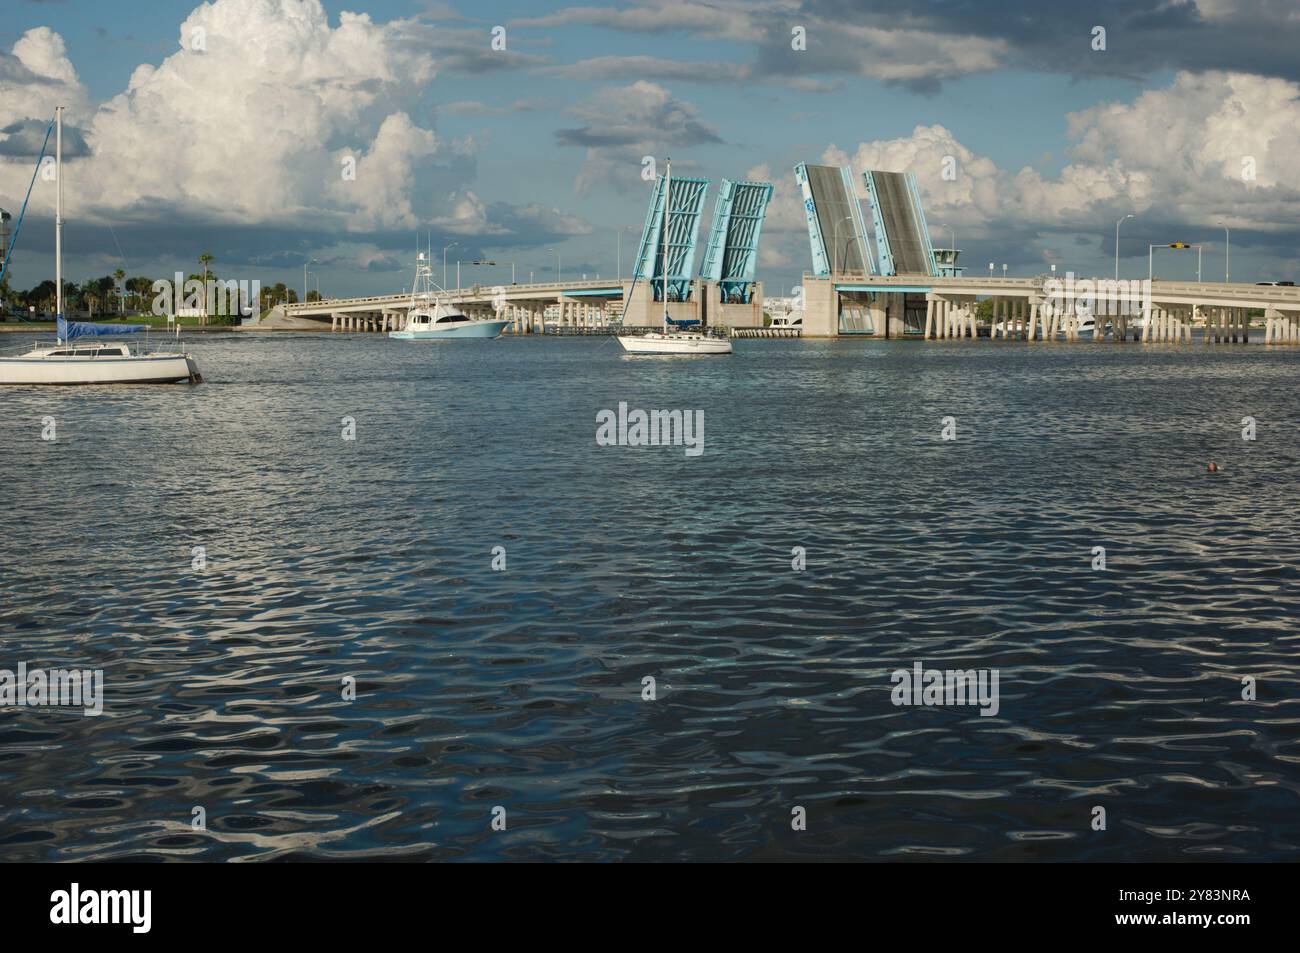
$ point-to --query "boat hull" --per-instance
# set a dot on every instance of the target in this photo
(674, 344)
(146, 369)
(470, 330)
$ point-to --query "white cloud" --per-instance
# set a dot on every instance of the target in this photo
(254, 122)
(35, 76)
(246, 122)
(1176, 153)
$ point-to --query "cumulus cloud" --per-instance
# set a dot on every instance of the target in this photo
(267, 115)
(35, 76)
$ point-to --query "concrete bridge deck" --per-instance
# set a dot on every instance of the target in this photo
(1043, 306)
(1046, 306)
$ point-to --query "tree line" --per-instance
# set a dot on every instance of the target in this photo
(114, 295)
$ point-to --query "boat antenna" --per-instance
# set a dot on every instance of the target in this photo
(668, 194)
(58, 216)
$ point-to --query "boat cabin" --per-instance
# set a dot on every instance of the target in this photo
(91, 350)
(422, 319)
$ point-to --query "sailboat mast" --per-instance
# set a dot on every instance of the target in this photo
(668, 194)
(58, 212)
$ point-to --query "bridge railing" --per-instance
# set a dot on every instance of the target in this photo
(457, 294)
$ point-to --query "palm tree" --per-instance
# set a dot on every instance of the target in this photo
(118, 276)
(203, 260)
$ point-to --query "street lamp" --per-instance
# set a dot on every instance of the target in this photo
(1227, 251)
(1117, 225)
(1004, 269)
(990, 269)
(493, 263)
(558, 265)
(444, 263)
(304, 279)
(1176, 246)
(835, 244)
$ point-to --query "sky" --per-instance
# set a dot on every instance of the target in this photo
(274, 133)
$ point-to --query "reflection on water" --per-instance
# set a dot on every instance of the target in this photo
(371, 559)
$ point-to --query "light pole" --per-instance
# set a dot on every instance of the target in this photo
(444, 263)
(304, 279)
(493, 264)
(1004, 270)
(558, 265)
(990, 269)
(1117, 225)
(1227, 251)
(1176, 246)
(835, 245)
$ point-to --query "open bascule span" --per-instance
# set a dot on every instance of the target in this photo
(723, 295)
(919, 291)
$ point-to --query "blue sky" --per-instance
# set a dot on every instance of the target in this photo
(234, 148)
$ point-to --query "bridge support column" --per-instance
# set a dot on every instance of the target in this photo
(929, 318)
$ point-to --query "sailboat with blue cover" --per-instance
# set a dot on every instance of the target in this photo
(87, 361)
(678, 336)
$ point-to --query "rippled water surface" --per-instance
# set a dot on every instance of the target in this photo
(371, 559)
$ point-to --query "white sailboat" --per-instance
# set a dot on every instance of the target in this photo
(675, 338)
(89, 363)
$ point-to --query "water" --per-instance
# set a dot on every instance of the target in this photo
(371, 559)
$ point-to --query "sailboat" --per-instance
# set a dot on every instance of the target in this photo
(429, 319)
(677, 337)
(88, 363)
